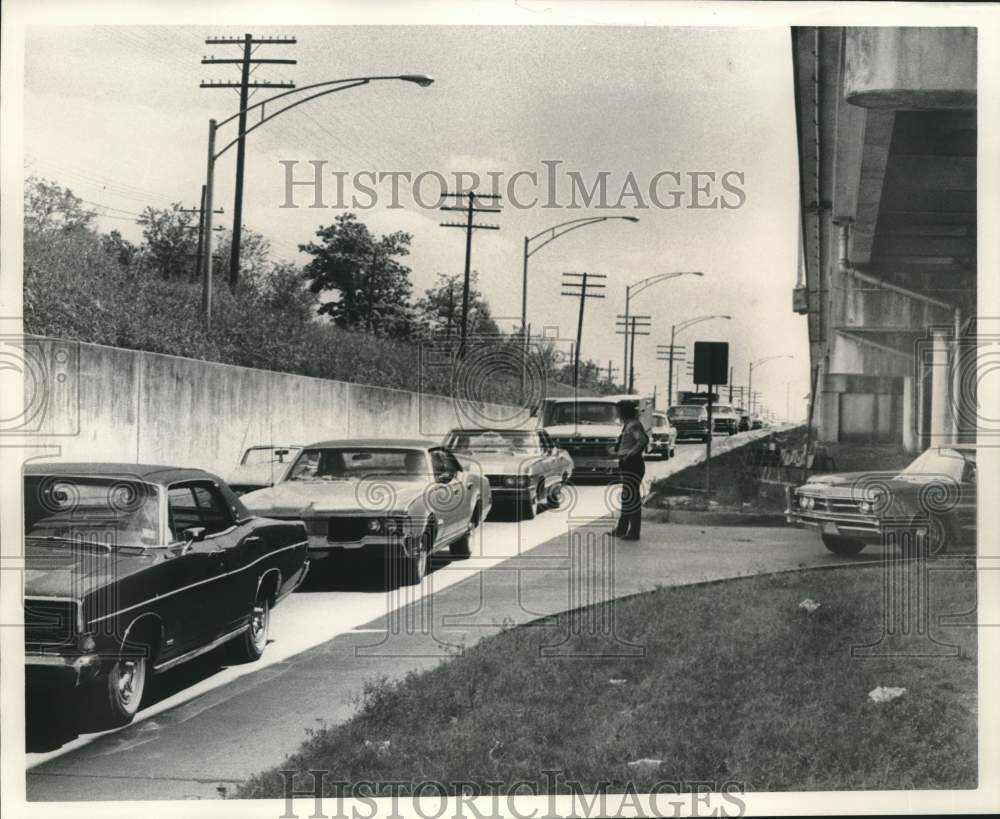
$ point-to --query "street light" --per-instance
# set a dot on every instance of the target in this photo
(339, 85)
(635, 290)
(750, 374)
(674, 330)
(569, 226)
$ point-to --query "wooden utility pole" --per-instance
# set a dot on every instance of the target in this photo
(468, 226)
(200, 227)
(247, 63)
(630, 326)
(583, 286)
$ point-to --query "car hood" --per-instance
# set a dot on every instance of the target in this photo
(492, 463)
(51, 570)
(585, 431)
(841, 479)
(307, 499)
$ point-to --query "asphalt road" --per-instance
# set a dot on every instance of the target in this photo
(205, 726)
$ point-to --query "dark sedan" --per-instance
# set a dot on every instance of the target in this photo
(134, 569)
(935, 495)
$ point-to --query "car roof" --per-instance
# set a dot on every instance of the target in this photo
(375, 443)
(149, 473)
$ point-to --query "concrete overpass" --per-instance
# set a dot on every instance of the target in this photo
(886, 121)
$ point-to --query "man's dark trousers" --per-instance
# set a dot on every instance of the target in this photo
(633, 469)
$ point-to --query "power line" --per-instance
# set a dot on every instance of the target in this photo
(248, 42)
(471, 210)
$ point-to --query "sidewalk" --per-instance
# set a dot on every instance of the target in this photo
(232, 732)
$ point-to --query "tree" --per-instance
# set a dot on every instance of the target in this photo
(49, 207)
(440, 310)
(372, 287)
(170, 241)
(119, 248)
(255, 254)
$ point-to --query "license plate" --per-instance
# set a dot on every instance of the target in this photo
(830, 529)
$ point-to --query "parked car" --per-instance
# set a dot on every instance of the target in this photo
(132, 570)
(663, 436)
(523, 467)
(756, 422)
(690, 421)
(745, 423)
(400, 498)
(936, 494)
(262, 466)
(725, 421)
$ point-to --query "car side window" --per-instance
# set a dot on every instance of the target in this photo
(545, 441)
(197, 505)
(441, 465)
(451, 462)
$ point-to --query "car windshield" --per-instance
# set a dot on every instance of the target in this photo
(585, 412)
(269, 455)
(492, 440)
(356, 463)
(686, 412)
(659, 421)
(939, 461)
(103, 512)
(722, 409)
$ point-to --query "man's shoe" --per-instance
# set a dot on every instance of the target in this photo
(628, 537)
(614, 533)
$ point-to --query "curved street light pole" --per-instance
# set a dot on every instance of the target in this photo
(634, 290)
(329, 87)
(750, 375)
(674, 329)
(555, 233)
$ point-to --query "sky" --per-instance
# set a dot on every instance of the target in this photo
(116, 114)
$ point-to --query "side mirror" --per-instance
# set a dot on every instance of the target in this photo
(445, 477)
(194, 534)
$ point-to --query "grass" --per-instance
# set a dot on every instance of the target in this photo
(738, 683)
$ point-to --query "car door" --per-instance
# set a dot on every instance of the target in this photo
(215, 594)
(965, 510)
(549, 460)
(451, 505)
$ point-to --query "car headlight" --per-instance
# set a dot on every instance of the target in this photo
(395, 526)
(612, 449)
(374, 526)
(865, 506)
(806, 502)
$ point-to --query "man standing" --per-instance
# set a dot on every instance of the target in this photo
(631, 445)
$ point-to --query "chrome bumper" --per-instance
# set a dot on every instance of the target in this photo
(78, 668)
(865, 530)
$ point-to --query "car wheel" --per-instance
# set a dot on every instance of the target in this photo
(414, 567)
(527, 508)
(461, 548)
(117, 696)
(249, 646)
(554, 499)
(842, 545)
(541, 497)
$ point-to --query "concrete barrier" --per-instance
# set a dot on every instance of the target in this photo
(94, 403)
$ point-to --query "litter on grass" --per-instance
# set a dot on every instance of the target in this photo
(645, 767)
(809, 605)
(885, 694)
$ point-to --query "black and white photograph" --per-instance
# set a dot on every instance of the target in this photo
(499, 409)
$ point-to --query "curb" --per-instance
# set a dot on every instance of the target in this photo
(695, 518)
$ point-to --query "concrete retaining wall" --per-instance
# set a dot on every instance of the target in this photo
(96, 403)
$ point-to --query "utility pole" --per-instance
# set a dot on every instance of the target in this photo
(611, 372)
(200, 227)
(730, 385)
(468, 226)
(671, 353)
(248, 64)
(583, 286)
(630, 327)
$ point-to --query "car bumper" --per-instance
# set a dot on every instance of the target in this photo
(583, 465)
(75, 669)
(865, 530)
(510, 493)
(320, 547)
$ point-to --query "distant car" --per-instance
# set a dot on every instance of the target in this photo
(690, 421)
(745, 419)
(725, 421)
(523, 467)
(663, 436)
(262, 466)
(756, 422)
(400, 499)
(132, 570)
(936, 493)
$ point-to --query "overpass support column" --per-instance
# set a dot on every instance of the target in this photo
(941, 425)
